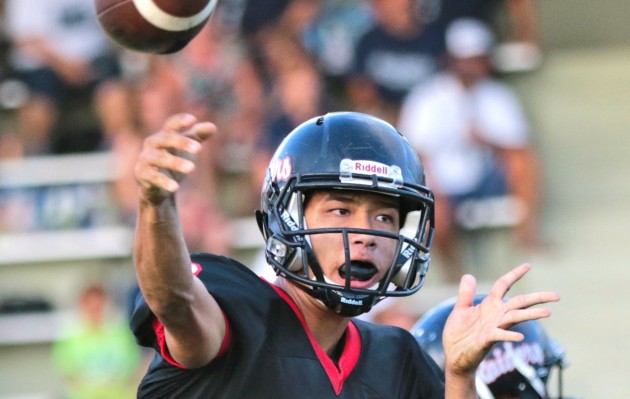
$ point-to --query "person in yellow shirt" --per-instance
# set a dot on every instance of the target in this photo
(96, 355)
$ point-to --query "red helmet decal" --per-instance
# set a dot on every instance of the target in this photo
(280, 169)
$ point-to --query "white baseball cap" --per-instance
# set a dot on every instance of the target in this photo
(468, 37)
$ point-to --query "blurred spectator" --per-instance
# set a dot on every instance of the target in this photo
(390, 58)
(10, 146)
(515, 23)
(258, 14)
(295, 92)
(327, 30)
(160, 94)
(473, 137)
(210, 79)
(97, 355)
(220, 83)
(292, 82)
(154, 95)
(61, 54)
(331, 37)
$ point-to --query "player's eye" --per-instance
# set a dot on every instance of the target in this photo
(385, 218)
(340, 211)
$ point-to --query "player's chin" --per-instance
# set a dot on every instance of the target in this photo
(367, 284)
(370, 284)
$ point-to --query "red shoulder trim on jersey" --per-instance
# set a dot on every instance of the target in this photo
(350, 356)
(227, 339)
(158, 328)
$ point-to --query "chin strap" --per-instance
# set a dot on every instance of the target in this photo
(347, 304)
(343, 303)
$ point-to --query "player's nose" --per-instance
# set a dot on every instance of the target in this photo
(362, 222)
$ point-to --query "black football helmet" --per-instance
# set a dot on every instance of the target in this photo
(513, 369)
(347, 151)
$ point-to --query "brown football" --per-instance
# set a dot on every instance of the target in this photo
(153, 26)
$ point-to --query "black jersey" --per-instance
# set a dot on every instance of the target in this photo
(272, 354)
(395, 64)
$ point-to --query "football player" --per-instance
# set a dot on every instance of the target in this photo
(347, 221)
(511, 370)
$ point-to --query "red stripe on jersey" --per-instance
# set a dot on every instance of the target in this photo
(349, 356)
(158, 328)
(227, 339)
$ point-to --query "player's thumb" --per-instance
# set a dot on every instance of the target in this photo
(202, 131)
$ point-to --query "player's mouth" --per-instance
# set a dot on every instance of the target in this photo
(359, 271)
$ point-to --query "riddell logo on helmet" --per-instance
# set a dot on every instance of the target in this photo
(288, 220)
(370, 167)
(350, 167)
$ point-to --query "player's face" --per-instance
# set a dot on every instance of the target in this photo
(371, 256)
(472, 68)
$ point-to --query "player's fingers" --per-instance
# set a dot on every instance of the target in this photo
(466, 293)
(535, 298)
(517, 316)
(188, 126)
(507, 335)
(505, 282)
(167, 160)
(173, 142)
(179, 122)
(202, 131)
(157, 168)
(151, 181)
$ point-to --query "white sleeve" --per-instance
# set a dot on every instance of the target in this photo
(24, 18)
(412, 122)
(501, 116)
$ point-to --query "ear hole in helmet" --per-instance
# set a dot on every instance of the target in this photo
(281, 253)
(410, 230)
(399, 279)
(412, 221)
(296, 264)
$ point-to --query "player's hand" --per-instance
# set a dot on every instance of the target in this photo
(168, 156)
(470, 331)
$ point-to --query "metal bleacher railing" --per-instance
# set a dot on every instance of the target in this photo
(59, 208)
(62, 208)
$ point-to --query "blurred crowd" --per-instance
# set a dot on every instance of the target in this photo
(432, 68)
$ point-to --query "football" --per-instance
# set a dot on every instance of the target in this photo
(153, 26)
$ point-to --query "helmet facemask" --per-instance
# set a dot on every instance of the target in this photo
(290, 251)
(346, 151)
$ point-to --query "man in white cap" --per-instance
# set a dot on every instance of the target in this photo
(474, 138)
